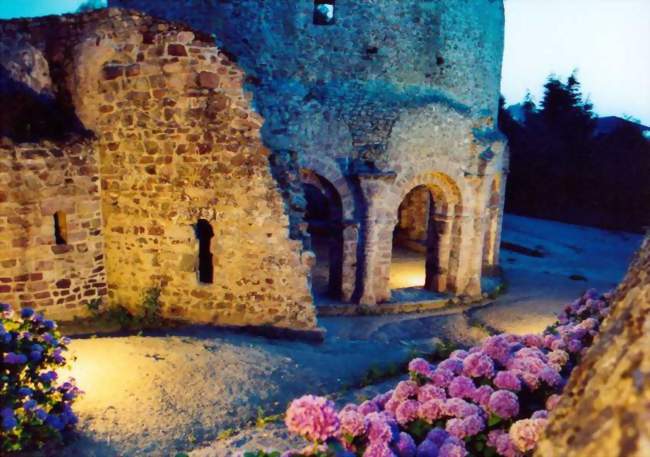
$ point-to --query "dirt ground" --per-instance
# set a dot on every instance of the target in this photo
(158, 395)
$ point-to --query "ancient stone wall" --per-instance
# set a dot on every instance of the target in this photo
(605, 410)
(180, 155)
(392, 95)
(38, 183)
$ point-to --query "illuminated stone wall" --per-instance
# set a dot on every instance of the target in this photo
(392, 95)
(606, 405)
(177, 143)
(36, 182)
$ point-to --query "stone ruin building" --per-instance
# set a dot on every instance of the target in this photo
(267, 153)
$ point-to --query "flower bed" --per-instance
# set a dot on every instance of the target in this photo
(35, 409)
(492, 400)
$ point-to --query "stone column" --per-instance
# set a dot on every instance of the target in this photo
(350, 235)
(377, 228)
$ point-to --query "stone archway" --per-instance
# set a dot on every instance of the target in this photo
(324, 219)
(428, 223)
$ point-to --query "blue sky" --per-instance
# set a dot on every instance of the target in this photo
(606, 40)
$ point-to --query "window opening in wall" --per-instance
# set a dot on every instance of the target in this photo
(60, 228)
(324, 12)
(204, 234)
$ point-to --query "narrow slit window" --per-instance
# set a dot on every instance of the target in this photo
(60, 228)
(204, 234)
(324, 12)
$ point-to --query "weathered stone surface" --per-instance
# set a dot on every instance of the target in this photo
(605, 410)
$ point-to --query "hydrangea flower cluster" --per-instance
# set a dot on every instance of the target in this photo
(483, 401)
(35, 407)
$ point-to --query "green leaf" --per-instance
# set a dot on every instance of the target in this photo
(493, 420)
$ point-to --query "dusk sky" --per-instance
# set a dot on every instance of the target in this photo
(606, 40)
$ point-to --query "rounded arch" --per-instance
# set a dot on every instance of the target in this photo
(330, 171)
(438, 204)
(324, 220)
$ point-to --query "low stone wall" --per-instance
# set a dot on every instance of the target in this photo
(36, 182)
(605, 409)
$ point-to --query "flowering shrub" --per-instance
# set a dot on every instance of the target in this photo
(492, 400)
(35, 409)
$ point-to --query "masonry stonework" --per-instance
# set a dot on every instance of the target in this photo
(391, 96)
(605, 407)
(217, 156)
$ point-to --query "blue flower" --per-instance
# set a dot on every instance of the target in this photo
(14, 359)
(35, 356)
(9, 422)
(26, 313)
(25, 392)
(40, 414)
(5, 307)
(29, 405)
(48, 377)
(55, 422)
(50, 325)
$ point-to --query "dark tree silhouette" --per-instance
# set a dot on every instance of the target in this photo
(563, 168)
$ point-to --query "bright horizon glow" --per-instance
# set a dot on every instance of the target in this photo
(607, 41)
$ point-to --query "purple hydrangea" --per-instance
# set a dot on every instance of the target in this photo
(478, 365)
(482, 395)
(504, 404)
(541, 414)
(12, 358)
(313, 418)
(381, 428)
(405, 446)
(456, 427)
(498, 348)
(368, 407)
(442, 377)
(551, 377)
(427, 449)
(508, 380)
(462, 387)
(453, 364)
(453, 447)
(437, 436)
(500, 440)
(458, 354)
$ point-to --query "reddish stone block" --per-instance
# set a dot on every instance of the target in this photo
(63, 283)
(36, 276)
(208, 80)
(5, 289)
(177, 50)
(113, 72)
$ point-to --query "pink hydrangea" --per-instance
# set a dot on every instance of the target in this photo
(533, 341)
(457, 407)
(405, 390)
(526, 433)
(500, 440)
(405, 446)
(407, 412)
(421, 367)
(429, 392)
(381, 399)
(508, 380)
(352, 423)
(551, 377)
(478, 365)
(378, 449)
(381, 428)
(462, 387)
(432, 410)
(504, 404)
(391, 405)
(453, 365)
(313, 418)
(558, 358)
(482, 395)
(442, 377)
(552, 401)
(474, 424)
(456, 427)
